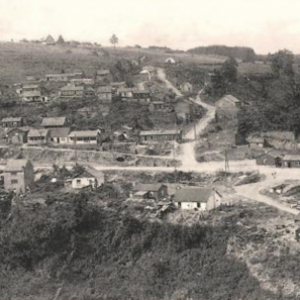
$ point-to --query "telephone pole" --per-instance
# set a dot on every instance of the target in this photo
(226, 162)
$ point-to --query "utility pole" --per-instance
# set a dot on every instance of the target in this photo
(195, 131)
(75, 140)
(226, 162)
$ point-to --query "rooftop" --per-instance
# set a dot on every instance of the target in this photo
(12, 119)
(38, 132)
(160, 132)
(54, 121)
(72, 88)
(84, 133)
(104, 89)
(16, 165)
(293, 157)
(230, 98)
(60, 132)
(103, 72)
(201, 195)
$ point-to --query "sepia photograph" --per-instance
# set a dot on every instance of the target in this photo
(149, 150)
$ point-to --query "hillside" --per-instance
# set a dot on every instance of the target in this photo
(83, 247)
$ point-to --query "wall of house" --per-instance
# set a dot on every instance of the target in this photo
(79, 183)
(191, 205)
(214, 201)
(39, 141)
(291, 164)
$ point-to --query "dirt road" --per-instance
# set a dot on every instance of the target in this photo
(161, 74)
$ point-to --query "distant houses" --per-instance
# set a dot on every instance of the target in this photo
(150, 191)
(103, 75)
(18, 175)
(104, 94)
(72, 91)
(63, 77)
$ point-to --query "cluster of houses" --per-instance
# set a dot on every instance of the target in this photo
(19, 177)
(53, 130)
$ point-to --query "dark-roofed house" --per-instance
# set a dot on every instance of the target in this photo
(18, 175)
(160, 135)
(12, 122)
(227, 109)
(63, 77)
(203, 199)
(142, 96)
(72, 91)
(157, 106)
(104, 94)
(291, 161)
(271, 158)
(85, 137)
(59, 135)
(38, 136)
(90, 177)
(54, 122)
(151, 191)
(17, 136)
(103, 75)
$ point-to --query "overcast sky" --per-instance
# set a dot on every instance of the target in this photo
(265, 25)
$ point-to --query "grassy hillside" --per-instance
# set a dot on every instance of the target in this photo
(77, 250)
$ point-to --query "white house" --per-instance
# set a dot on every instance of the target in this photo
(85, 137)
(89, 177)
(170, 60)
(203, 199)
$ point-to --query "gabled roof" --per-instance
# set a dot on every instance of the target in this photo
(54, 121)
(12, 119)
(292, 157)
(90, 172)
(104, 89)
(38, 132)
(84, 133)
(279, 135)
(229, 98)
(255, 139)
(272, 153)
(200, 195)
(103, 72)
(148, 187)
(72, 88)
(160, 132)
(30, 86)
(31, 94)
(16, 165)
(60, 132)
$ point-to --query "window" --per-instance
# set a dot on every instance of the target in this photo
(179, 204)
(78, 181)
(14, 181)
(198, 205)
(14, 173)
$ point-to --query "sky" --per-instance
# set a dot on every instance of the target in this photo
(265, 25)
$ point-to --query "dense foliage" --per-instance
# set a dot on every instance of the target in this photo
(244, 53)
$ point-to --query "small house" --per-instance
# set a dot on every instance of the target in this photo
(85, 137)
(203, 199)
(12, 122)
(17, 136)
(59, 135)
(186, 87)
(271, 158)
(170, 61)
(126, 93)
(149, 136)
(31, 93)
(257, 142)
(142, 96)
(157, 106)
(104, 94)
(151, 191)
(72, 91)
(63, 77)
(145, 75)
(103, 75)
(54, 122)
(18, 175)
(49, 40)
(291, 161)
(38, 136)
(89, 177)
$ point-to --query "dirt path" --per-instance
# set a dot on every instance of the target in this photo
(161, 74)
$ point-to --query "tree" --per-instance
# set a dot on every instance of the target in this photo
(114, 40)
(229, 70)
(60, 40)
(282, 61)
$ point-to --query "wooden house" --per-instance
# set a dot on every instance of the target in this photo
(59, 135)
(272, 158)
(72, 91)
(103, 76)
(18, 175)
(291, 161)
(151, 136)
(38, 136)
(54, 122)
(151, 191)
(203, 199)
(104, 94)
(85, 137)
(12, 122)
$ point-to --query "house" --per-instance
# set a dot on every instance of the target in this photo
(59, 135)
(151, 191)
(54, 122)
(291, 161)
(257, 142)
(38, 136)
(72, 91)
(157, 106)
(90, 177)
(118, 85)
(103, 75)
(31, 93)
(17, 136)
(142, 96)
(12, 122)
(160, 135)
(271, 158)
(170, 61)
(125, 93)
(227, 109)
(18, 175)
(145, 75)
(63, 77)
(104, 94)
(203, 199)
(186, 87)
(279, 135)
(49, 40)
(183, 111)
(80, 81)
(85, 137)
